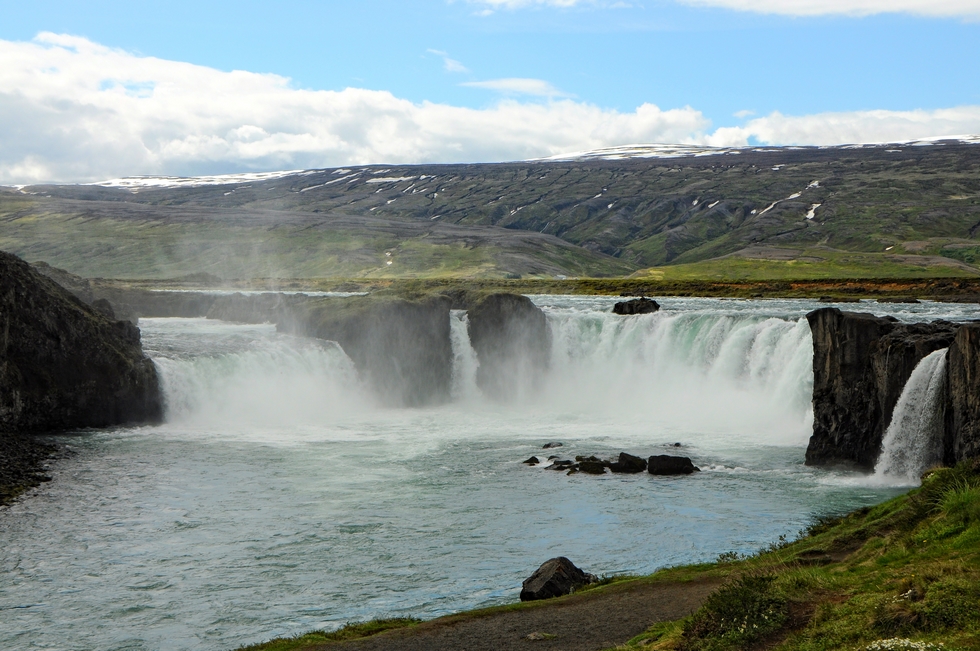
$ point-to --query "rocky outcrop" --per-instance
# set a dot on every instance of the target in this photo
(629, 464)
(512, 341)
(556, 577)
(401, 348)
(65, 365)
(860, 366)
(665, 464)
(962, 431)
(636, 306)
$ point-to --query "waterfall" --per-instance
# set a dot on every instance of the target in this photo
(248, 377)
(734, 377)
(913, 441)
(724, 374)
(465, 362)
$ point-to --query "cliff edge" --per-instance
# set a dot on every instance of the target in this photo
(65, 365)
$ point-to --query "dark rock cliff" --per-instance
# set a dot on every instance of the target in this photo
(962, 431)
(860, 366)
(65, 365)
(401, 348)
(512, 341)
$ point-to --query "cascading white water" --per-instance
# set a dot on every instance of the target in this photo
(310, 505)
(263, 382)
(913, 441)
(720, 374)
(465, 361)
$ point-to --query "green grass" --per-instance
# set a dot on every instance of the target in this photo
(812, 264)
(904, 572)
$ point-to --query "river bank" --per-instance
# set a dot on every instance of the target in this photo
(24, 461)
(941, 289)
(900, 576)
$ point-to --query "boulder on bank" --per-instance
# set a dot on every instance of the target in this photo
(401, 348)
(665, 464)
(556, 577)
(65, 365)
(861, 363)
(512, 340)
(636, 306)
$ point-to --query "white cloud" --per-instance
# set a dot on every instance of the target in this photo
(851, 127)
(938, 8)
(451, 65)
(519, 86)
(74, 110)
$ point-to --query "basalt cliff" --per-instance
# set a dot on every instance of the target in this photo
(861, 363)
(65, 364)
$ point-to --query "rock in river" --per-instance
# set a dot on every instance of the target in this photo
(636, 306)
(555, 577)
(628, 463)
(665, 464)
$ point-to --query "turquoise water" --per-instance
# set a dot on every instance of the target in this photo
(278, 497)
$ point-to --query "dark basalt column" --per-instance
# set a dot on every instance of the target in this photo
(512, 340)
(401, 348)
(962, 432)
(860, 366)
(64, 364)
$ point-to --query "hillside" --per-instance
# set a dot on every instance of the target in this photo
(896, 210)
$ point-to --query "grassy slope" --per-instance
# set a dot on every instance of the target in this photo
(908, 569)
(117, 240)
(812, 264)
(874, 204)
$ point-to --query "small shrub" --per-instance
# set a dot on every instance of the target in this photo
(747, 609)
(951, 604)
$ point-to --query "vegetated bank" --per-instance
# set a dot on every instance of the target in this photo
(904, 576)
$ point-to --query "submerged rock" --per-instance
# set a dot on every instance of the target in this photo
(556, 577)
(628, 463)
(533, 461)
(552, 444)
(636, 306)
(665, 464)
(591, 467)
(65, 365)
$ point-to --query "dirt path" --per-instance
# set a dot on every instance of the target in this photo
(585, 622)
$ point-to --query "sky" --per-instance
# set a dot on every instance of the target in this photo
(103, 89)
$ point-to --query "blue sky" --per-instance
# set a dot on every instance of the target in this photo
(730, 62)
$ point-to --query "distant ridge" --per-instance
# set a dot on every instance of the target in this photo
(618, 152)
(622, 152)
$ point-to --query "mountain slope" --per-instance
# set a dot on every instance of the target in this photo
(618, 214)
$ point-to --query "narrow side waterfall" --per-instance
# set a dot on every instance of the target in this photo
(465, 361)
(913, 441)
